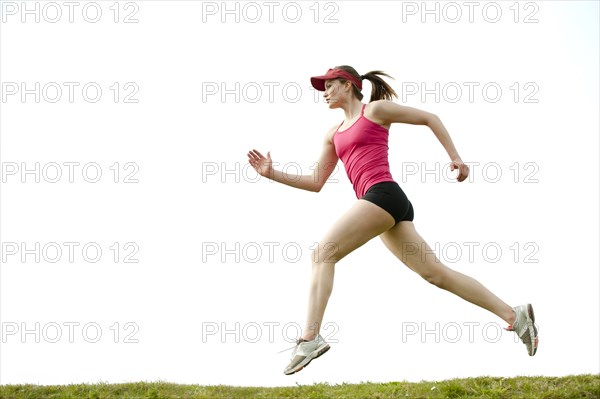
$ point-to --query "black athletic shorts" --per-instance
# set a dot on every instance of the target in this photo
(389, 196)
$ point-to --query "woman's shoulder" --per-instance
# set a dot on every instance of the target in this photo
(378, 106)
(378, 110)
(331, 132)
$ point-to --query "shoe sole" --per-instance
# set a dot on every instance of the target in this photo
(308, 359)
(532, 327)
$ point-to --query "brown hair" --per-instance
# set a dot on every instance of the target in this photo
(381, 90)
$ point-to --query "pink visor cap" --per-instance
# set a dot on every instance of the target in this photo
(318, 82)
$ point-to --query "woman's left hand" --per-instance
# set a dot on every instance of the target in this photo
(463, 170)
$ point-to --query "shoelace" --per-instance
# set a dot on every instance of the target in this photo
(298, 342)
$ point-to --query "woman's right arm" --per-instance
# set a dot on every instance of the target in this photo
(314, 182)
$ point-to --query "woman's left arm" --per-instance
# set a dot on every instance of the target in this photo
(388, 112)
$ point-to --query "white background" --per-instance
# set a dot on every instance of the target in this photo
(195, 198)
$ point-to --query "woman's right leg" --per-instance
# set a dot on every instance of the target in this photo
(361, 223)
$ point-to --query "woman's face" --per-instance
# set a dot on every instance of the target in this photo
(335, 92)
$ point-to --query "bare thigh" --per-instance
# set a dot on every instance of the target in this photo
(354, 228)
(406, 243)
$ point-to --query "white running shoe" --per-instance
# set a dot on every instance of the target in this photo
(525, 328)
(304, 352)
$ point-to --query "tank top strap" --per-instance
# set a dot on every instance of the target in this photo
(362, 110)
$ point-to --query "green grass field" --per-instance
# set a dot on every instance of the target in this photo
(575, 387)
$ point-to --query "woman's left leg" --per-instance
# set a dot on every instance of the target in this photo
(406, 243)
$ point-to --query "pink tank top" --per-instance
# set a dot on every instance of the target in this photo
(363, 149)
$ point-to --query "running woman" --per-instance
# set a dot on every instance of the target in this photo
(382, 208)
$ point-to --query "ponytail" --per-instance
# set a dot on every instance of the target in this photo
(381, 90)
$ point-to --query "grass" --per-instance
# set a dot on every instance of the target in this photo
(575, 387)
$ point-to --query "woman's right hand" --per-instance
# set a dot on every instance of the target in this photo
(261, 164)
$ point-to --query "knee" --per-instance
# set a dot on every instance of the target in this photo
(435, 276)
(325, 253)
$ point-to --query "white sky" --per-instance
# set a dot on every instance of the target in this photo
(179, 140)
